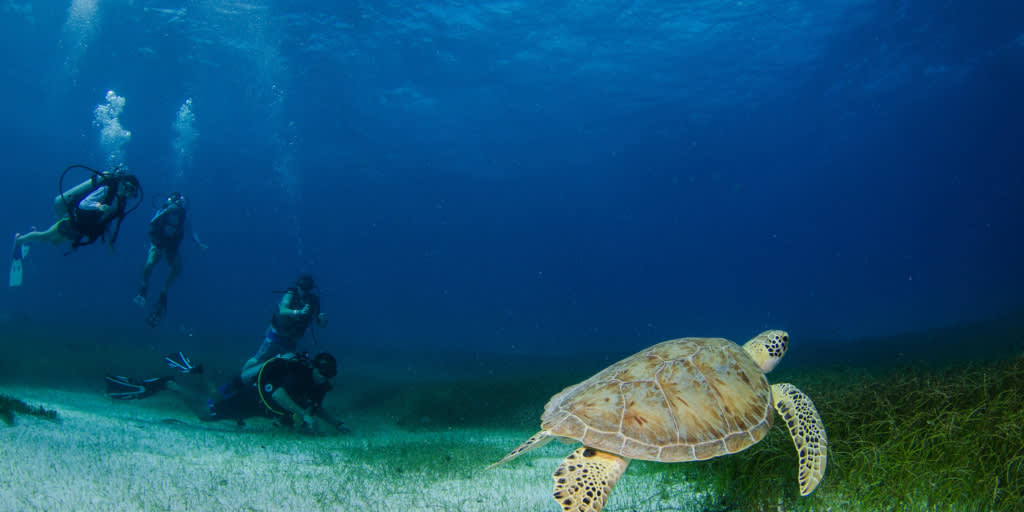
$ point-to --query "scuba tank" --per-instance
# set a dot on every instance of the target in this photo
(73, 196)
(68, 199)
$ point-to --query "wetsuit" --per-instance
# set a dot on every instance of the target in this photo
(240, 401)
(89, 221)
(283, 334)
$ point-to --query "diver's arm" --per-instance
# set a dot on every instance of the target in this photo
(195, 236)
(329, 418)
(285, 306)
(281, 396)
(94, 201)
(109, 218)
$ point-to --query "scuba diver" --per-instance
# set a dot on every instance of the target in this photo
(288, 387)
(299, 306)
(87, 212)
(167, 229)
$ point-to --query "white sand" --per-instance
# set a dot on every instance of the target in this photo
(120, 456)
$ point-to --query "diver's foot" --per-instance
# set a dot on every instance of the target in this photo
(133, 388)
(183, 364)
(159, 309)
(19, 243)
(140, 297)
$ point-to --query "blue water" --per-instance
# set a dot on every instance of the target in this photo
(528, 176)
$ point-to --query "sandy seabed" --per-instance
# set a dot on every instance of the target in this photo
(152, 455)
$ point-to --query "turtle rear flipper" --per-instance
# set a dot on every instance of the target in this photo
(585, 479)
(535, 441)
(808, 433)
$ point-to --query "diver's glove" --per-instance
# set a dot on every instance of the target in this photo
(340, 425)
(183, 364)
(304, 422)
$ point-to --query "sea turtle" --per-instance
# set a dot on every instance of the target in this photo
(680, 400)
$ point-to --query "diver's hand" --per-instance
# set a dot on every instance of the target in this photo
(303, 422)
(321, 320)
(342, 428)
(305, 311)
(308, 422)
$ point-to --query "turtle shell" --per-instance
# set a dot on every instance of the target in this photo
(680, 400)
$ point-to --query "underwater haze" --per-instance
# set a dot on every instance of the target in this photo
(534, 176)
(481, 188)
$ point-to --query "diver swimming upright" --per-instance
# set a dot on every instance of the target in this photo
(167, 229)
(296, 312)
(92, 210)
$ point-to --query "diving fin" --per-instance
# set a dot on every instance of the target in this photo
(183, 364)
(18, 253)
(131, 388)
(155, 316)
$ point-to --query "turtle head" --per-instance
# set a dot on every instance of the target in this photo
(767, 348)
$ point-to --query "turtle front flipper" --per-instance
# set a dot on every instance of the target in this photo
(535, 441)
(585, 478)
(807, 431)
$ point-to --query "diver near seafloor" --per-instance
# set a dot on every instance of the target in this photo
(167, 229)
(92, 210)
(295, 313)
(289, 388)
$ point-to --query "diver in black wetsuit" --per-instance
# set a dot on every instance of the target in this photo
(289, 388)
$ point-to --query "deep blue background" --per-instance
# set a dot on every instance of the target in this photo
(536, 175)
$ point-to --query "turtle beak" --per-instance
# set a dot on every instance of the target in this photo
(769, 364)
